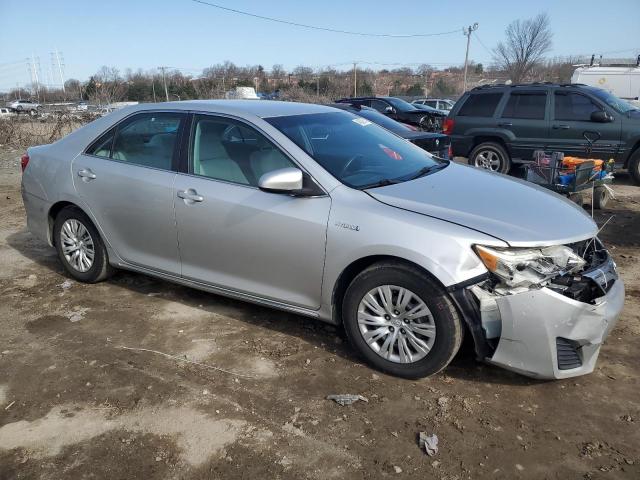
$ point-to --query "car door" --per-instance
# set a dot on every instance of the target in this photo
(525, 121)
(126, 180)
(571, 121)
(235, 236)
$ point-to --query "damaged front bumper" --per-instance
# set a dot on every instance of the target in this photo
(545, 332)
(547, 335)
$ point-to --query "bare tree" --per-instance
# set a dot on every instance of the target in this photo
(526, 43)
(108, 85)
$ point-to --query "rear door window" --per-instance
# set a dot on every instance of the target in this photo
(148, 140)
(574, 107)
(102, 146)
(526, 105)
(480, 105)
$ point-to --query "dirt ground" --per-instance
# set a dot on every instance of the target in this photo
(76, 404)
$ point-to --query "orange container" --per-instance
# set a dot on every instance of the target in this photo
(573, 162)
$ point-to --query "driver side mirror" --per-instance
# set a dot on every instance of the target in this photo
(283, 180)
(389, 110)
(601, 116)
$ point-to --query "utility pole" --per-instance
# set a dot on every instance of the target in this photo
(153, 88)
(467, 31)
(355, 80)
(60, 65)
(164, 81)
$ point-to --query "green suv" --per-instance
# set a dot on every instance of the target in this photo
(498, 126)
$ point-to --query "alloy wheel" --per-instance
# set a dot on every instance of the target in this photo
(396, 324)
(488, 159)
(77, 245)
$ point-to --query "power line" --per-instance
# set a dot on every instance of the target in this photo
(325, 29)
(475, 34)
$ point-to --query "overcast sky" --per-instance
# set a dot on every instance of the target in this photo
(182, 33)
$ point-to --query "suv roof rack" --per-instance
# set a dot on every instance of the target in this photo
(532, 84)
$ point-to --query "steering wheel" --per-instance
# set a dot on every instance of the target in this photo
(345, 169)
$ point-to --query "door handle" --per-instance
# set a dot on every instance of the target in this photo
(561, 127)
(190, 196)
(505, 124)
(86, 174)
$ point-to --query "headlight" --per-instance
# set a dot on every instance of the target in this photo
(529, 266)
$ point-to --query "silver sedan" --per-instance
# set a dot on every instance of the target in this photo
(319, 212)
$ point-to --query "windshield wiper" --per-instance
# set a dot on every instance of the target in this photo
(380, 183)
(428, 170)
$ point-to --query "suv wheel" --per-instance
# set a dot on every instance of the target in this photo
(401, 321)
(634, 166)
(490, 156)
(80, 247)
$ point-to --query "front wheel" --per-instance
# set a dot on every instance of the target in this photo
(80, 248)
(401, 321)
(490, 156)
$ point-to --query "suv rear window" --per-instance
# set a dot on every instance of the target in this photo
(480, 105)
(526, 105)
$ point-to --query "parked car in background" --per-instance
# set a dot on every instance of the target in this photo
(435, 143)
(322, 213)
(6, 112)
(427, 108)
(24, 106)
(437, 103)
(401, 111)
(498, 126)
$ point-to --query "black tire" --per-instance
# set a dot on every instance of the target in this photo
(600, 197)
(634, 167)
(100, 269)
(19, 108)
(448, 326)
(577, 198)
(491, 149)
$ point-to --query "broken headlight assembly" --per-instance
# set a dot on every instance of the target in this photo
(527, 267)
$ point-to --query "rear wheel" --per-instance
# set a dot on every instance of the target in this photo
(634, 167)
(401, 321)
(600, 197)
(80, 248)
(490, 156)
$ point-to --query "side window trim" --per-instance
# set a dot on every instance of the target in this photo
(186, 166)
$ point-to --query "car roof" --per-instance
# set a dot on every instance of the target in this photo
(258, 108)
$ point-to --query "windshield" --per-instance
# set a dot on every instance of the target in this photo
(619, 105)
(401, 104)
(356, 151)
(382, 120)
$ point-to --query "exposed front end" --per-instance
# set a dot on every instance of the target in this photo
(546, 312)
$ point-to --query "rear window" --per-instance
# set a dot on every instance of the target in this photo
(526, 105)
(480, 105)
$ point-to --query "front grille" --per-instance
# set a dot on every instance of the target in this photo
(568, 355)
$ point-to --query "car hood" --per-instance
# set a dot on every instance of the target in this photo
(517, 212)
